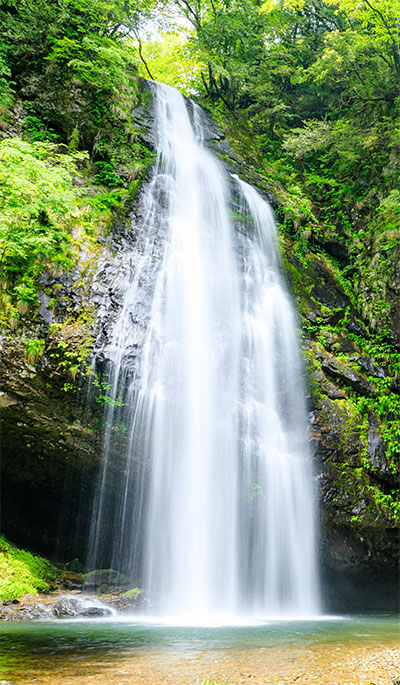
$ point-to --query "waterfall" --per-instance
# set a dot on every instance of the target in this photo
(209, 505)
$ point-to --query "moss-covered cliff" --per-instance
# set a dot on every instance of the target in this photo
(353, 426)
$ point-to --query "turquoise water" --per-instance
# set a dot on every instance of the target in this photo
(97, 651)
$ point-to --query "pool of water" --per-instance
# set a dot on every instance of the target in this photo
(329, 650)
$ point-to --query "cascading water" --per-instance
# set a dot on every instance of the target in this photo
(277, 533)
(210, 503)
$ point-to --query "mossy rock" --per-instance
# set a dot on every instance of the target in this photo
(134, 593)
(105, 577)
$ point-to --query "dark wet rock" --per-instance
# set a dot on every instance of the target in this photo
(333, 391)
(47, 440)
(223, 148)
(376, 449)
(328, 293)
(354, 325)
(334, 432)
(347, 375)
(350, 581)
(369, 366)
(212, 132)
(358, 535)
(337, 342)
(96, 611)
(143, 116)
(325, 287)
(61, 606)
(319, 295)
(340, 371)
(131, 601)
(66, 608)
(338, 250)
(73, 581)
(46, 313)
(104, 577)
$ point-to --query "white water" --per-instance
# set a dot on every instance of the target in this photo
(214, 514)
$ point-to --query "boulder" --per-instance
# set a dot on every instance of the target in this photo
(74, 607)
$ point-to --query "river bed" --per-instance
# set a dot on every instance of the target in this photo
(362, 649)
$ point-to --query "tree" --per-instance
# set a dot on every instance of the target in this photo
(171, 58)
(70, 60)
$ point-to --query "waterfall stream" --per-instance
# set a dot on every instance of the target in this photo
(210, 505)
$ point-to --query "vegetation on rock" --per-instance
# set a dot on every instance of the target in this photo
(70, 162)
(23, 573)
(37, 200)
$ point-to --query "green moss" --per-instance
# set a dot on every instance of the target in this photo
(23, 573)
(134, 593)
(361, 498)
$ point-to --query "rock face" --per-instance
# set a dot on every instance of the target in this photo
(47, 441)
(51, 438)
(355, 470)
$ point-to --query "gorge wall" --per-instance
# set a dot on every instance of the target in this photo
(50, 437)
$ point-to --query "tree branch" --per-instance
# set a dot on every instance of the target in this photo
(395, 43)
(137, 36)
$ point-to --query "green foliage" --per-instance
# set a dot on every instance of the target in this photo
(109, 200)
(23, 573)
(230, 39)
(73, 65)
(70, 344)
(386, 405)
(35, 129)
(36, 199)
(172, 59)
(107, 175)
(386, 501)
(47, 219)
(103, 395)
(34, 349)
